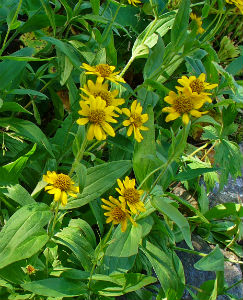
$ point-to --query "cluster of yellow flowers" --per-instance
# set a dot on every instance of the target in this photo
(119, 211)
(237, 3)
(99, 106)
(198, 21)
(190, 98)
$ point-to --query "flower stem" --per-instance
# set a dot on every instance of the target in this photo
(55, 218)
(9, 26)
(210, 149)
(79, 156)
(199, 149)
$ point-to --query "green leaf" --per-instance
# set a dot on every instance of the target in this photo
(56, 287)
(28, 130)
(179, 142)
(11, 70)
(179, 29)
(193, 173)
(65, 48)
(210, 133)
(155, 59)
(26, 92)
(23, 234)
(10, 173)
(173, 213)
(99, 179)
(214, 261)
(224, 210)
(81, 173)
(95, 4)
(168, 269)
(120, 284)
(17, 193)
(144, 151)
(50, 14)
(78, 237)
(125, 244)
(13, 106)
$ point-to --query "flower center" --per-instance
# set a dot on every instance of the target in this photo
(197, 86)
(118, 214)
(104, 95)
(131, 195)
(103, 69)
(30, 269)
(97, 116)
(63, 182)
(183, 104)
(137, 120)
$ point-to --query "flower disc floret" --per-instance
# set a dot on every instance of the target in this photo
(60, 185)
(197, 86)
(104, 71)
(98, 116)
(135, 121)
(183, 104)
(117, 213)
(100, 89)
(130, 195)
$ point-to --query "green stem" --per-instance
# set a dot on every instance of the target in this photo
(233, 285)
(55, 218)
(134, 55)
(102, 246)
(112, 22)
(9, 27)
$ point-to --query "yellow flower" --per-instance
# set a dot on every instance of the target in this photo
(197, 85)
(30, 269)
(237, 3)
(98, 115)
(59, 185)
(198, 20)
(117, 213)
(130, 195)
(101, 90)
(103, 70)
(134, 2)
(135, 121)
(183, 104)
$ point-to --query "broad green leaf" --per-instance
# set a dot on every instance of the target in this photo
(23, 234)
(224, 210)
(13, 273)
(81, 173)
(79, 238)
(125, 244)
(168, 269)
(173, 213)
(214, 261)
(66, 69)
(99, 179)
(13, 106)
(179, 29)
(95, 6)
(144, 151)
(155, 59)
(210, 133)
(116, 265)
(17, 193)
(28, 130)
(56, 287)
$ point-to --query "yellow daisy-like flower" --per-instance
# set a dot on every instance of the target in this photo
(183, 104)
(117, 213)
(99, 89)
(197, 85)
(130, 195)
(60, 185)
(198, 20)
(135, 121)
(98, 115)
(103, 70)
(237, 3)
(134, 2)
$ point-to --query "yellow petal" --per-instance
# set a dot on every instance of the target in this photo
(172, 116)
(64, 198)
(185, 119)
(57, 195)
